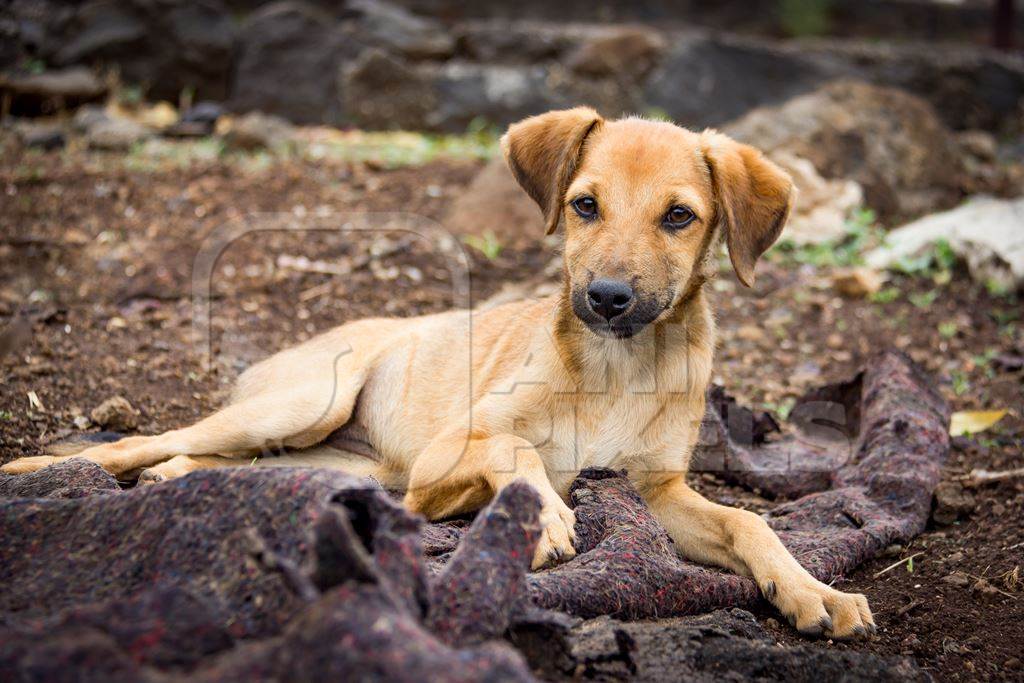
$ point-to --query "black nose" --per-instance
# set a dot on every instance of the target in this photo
(608, 298)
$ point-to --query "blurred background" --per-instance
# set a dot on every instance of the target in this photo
(437, 65)
(135, 132)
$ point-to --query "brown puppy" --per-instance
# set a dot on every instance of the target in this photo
(609, 372)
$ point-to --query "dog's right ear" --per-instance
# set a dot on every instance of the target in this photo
(543, 153)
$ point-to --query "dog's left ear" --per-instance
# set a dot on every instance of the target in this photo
(754, 197)
(543, 153)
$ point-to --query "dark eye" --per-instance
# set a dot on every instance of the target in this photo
(678, 217)
(586, 207)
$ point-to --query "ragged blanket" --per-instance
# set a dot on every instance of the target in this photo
(295, 574)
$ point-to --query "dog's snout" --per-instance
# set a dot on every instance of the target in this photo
(608, 298)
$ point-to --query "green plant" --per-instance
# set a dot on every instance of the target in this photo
(130, 95)
(885, 296)
(862, 233)
(801, 18)
(35, 66)
(998, 288)
(487, 244)
(936, 262)
(923, 299)
(960, 383)
(948, 329)
(783, 408)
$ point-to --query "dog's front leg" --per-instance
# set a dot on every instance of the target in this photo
(459, 473)
(743, 542)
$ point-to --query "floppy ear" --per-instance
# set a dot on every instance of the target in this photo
(543, 152)
(754, 197)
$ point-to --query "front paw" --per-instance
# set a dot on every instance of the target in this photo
(817, 610)
(558, 534)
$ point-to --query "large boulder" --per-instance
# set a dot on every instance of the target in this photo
(618, 52)
(497, 93)
(707, 80)
(287, 55)
(518, 42)
(381, 24)
(379, 90)
(50, 91)
(890, 142)
(167, 48)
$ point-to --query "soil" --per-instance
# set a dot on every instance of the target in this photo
(96, 259)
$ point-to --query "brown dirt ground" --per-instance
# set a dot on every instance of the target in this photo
(96, 258)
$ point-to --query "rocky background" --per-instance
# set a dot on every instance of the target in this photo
(435, 65)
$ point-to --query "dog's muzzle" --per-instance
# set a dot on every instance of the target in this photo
(613, 309)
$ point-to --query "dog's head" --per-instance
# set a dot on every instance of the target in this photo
(641, 202)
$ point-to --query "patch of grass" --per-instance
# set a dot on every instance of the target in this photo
(6, 415)
(804, 18)
(35, 66)
(885, 296)
(487, 244)
(923, 299)
(948, 329)
(936, 262)
(999, 289)
(394, 149)
(960, 384)
(862, 234)
(783, 408)
(983, 361)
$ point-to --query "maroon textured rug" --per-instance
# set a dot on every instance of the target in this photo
(280, 574)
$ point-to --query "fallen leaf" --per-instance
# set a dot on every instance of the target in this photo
(967, 422)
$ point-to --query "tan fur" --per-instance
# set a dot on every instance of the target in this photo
(457, 405)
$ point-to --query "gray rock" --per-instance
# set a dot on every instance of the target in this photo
(890, 142)
(619, 51)
(952, 501)
(116, 414)
(89, 116)
(255, 131)
(518, 42)
(987, 233)
(197, 121)
(388, 26)
(103, 29)
(706, 81)
(51, 91)
(287, 54)
(382, 91)
(46, 136)
(203, 112)
(166, 48)
(116, 134)
(499, 94)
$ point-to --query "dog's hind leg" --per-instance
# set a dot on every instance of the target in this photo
(283, 417)
(320, 457)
